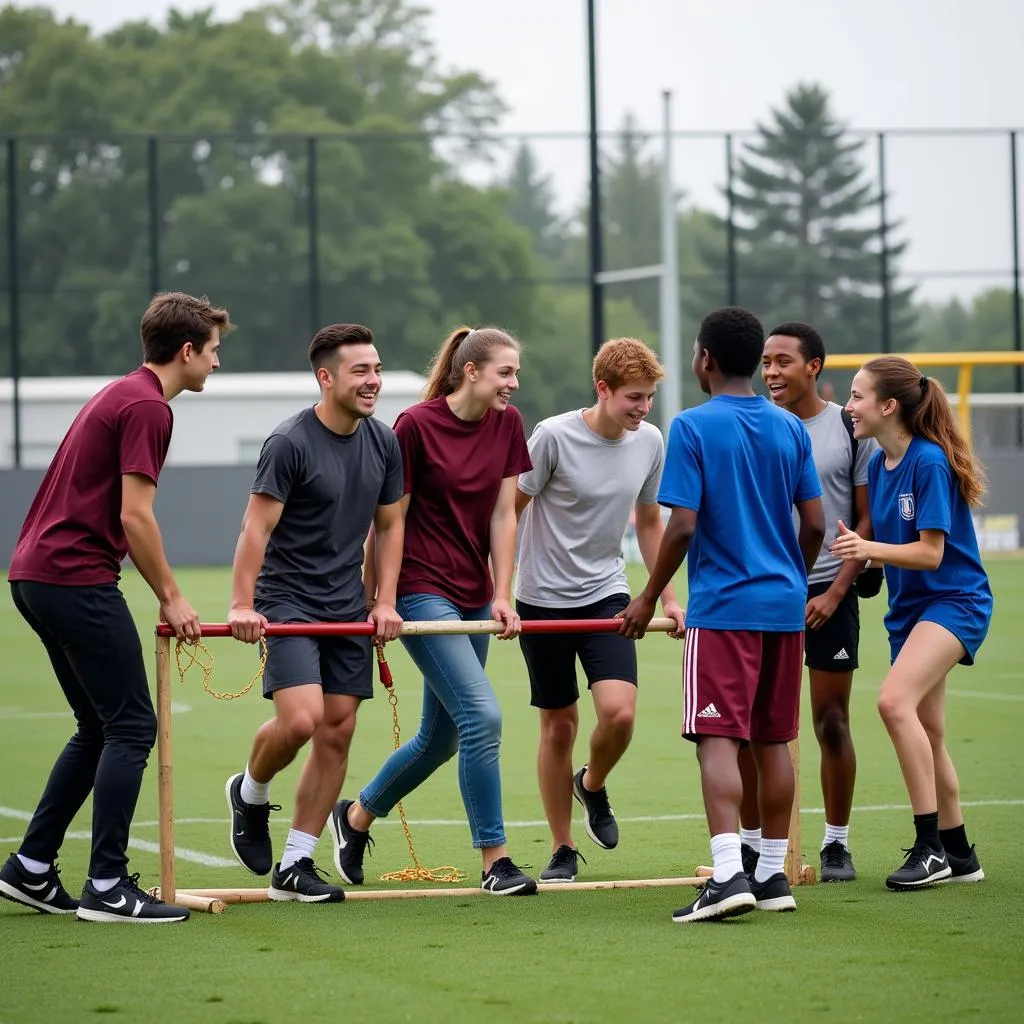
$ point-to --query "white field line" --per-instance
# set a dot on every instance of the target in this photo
(19, 714)
(196, 856)
(966, 694)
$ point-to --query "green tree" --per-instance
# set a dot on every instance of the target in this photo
(532, 204)
(402, 243)
(808, 242)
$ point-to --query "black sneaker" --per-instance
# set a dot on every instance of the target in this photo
(836, 863)
(924, 866)
(349, 844)
(42, 892)
(303, 881)
(250, 829)
(773, 893)
(718, 900)
(127, 903)
(562, 866)
(599, 820)
(505, 879)
(962, 869)
(750, 858)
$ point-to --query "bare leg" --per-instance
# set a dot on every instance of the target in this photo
(615, 702)
(558, 730)
(299, 712)
(830, 709)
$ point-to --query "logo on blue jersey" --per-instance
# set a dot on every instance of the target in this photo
(907, 507)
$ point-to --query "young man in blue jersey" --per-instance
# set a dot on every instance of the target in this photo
(734, 470)
(921, 487)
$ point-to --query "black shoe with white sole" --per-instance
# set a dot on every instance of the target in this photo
(127, 903)
(773, 893)
(349, 844)
(304, 882)
(250, 829)
(750, 857)
(719, 900)
(563, 865)
(964, 869)
(924, 866)
(42, 891)
(599, 819)
(505, 879)
(836, 863)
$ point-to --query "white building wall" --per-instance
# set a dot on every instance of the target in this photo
(225, 425)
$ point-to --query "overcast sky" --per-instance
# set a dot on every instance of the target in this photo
(888, 64)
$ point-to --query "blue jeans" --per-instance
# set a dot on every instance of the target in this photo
(460, 713)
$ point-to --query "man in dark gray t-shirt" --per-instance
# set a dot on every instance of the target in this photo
(325, 476)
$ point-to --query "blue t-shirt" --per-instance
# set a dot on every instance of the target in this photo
(921, 493)
(741, 464)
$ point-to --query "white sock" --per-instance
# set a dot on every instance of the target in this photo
(725, 849)
(299, 845)
(836, 834)
(254, 792)
(751, 837)
(772, 860)
(37, 867)
(104, 884)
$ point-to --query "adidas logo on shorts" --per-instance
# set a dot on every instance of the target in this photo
(709, 712)
(842, 655)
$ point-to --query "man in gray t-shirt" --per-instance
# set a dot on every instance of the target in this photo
(592, 470)
(794, 356)
(325, 476)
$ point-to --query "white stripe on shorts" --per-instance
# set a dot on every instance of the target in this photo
(690, 705)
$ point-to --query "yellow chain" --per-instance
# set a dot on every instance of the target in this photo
(417, 873)
(195, 654)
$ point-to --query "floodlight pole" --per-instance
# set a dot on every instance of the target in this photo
(672, 389)
(596, 230)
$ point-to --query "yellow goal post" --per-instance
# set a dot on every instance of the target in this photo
(964, 361)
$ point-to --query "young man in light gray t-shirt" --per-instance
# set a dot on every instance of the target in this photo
(592, 469)
(794, 356)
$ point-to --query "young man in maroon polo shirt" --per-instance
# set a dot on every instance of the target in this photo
(93, 507)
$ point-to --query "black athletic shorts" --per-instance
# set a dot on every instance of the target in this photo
(551, 657)
(834, 647)
(340, 664)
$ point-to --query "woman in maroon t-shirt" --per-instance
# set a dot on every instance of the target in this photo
(463, 449)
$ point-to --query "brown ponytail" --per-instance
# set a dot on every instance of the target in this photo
(463, 345)
(926, 412)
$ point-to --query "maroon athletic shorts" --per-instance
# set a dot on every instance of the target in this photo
(742, 684)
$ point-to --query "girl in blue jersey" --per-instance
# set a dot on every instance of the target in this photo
(921, 487)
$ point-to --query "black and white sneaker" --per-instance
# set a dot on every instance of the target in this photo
(924, 866)
(250, 829)
(719, 900)
(505, 879)
(836, 863)
(750, 857)
(127, 903)
(303, 881)
(964, 869)
(563, 865)
(349, 844)
(773, 893)
(42, 891)
(599, 819)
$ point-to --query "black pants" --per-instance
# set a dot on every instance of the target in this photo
(94, 648)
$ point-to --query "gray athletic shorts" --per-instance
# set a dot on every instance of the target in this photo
(340, 664)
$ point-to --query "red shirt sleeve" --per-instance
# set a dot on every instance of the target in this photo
(409, 443)
(144, 435)
(518, 459)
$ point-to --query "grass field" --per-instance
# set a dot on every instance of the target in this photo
(852, 952)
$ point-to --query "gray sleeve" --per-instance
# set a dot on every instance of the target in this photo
(649, 491)
(865, 449)
(393, 486)
(544, 456)
(277, 469)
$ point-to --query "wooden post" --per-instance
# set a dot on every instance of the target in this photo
(165, 780)
(794, 859)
